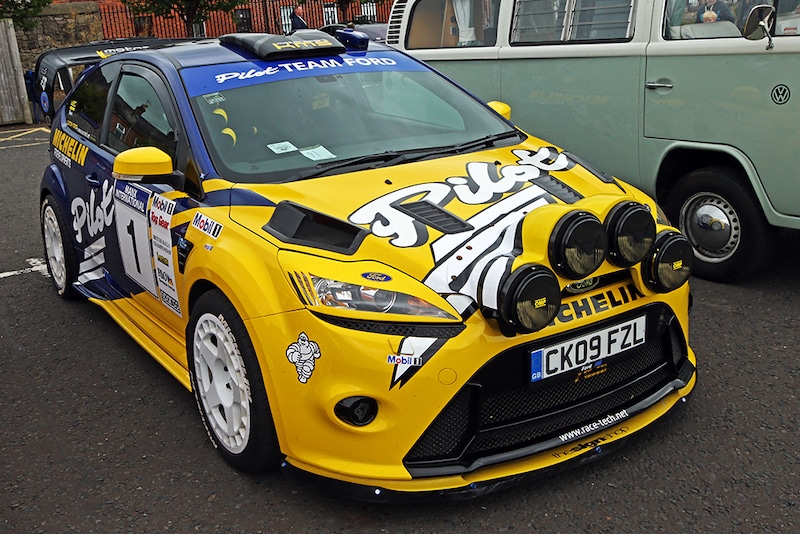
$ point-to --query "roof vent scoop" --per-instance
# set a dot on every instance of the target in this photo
(271, 46)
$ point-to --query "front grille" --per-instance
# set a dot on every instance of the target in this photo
(439, 331)
(499, 411)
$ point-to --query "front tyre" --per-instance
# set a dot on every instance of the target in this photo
(228, 385)
(62, 263)
(725, 225)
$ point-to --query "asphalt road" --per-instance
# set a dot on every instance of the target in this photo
(97, 437)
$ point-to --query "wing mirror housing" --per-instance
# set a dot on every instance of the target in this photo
(502, 108)
(147, 165)
(759, 24)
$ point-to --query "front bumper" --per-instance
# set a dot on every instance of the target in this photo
(462, 424)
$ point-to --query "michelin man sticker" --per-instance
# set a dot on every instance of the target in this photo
(303, 354)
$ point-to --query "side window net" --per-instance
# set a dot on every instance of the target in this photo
(556, 21)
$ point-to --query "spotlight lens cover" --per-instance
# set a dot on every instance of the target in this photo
(530, 298)
(632, 232)
(670, 265)
(579, 245)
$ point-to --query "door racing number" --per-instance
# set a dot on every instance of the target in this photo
(145, 242)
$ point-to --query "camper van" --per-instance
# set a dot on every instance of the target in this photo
(693, 101)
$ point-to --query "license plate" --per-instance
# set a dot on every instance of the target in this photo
(588, 350)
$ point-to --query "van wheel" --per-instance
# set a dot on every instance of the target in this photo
(228, 385)
(717, 213)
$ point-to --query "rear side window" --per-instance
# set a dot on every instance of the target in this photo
(87, 103)
(569, 21)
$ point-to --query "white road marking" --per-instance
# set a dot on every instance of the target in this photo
(37, 265)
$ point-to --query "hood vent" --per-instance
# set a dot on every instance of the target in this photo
(434, 216)
(558, 189)
(301, 226)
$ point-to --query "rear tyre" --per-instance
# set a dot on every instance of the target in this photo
(62, 263)
(724, 223)
(228, 385)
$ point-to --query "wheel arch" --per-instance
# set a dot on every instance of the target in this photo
(252, 284)
(53, 184)
(681, 160)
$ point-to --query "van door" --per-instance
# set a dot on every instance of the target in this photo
(710, 89)
(571, 70)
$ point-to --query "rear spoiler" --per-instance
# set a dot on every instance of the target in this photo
(58, 69)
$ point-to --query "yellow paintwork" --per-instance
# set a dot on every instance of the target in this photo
(253, 269)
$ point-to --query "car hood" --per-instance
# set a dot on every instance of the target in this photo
(418, 216)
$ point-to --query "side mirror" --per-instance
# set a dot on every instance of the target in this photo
(501, 107)
(759, 23)
(148, 165)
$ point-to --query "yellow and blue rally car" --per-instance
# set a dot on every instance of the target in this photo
(359, 269)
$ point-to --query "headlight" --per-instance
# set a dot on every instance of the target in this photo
(529, 298)
(669, 265)
(579, 245)
(343, 295)
(631, 231)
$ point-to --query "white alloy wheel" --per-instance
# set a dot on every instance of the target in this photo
(58, 249)
(221, 381)
(54, 247)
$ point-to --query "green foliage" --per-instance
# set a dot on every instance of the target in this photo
(23, 12)
(189, 11)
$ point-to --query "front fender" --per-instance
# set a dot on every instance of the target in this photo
(241, 265)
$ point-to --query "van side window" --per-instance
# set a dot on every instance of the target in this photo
(553, 21)
(788, 21)
(453, 23)
(702, 19)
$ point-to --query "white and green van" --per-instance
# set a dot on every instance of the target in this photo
(700, 115)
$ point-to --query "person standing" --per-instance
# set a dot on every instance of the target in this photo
(298, 22)
(719, 8)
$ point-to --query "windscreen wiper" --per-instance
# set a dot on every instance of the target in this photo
(393, 157)
(321, 169)
(416, 155)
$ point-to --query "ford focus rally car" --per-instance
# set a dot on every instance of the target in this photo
(360, 270)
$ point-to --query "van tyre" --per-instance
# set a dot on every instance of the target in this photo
(228, 385)
(62, 263)
(720, 216)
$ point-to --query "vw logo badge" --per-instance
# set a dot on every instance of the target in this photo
(781, 94)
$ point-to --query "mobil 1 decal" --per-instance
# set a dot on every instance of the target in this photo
(145, 242)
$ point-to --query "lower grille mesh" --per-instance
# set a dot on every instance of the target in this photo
(500, 411)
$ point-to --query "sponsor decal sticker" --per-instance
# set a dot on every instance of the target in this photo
(207, 225)
(94, 214)
(67, 149)
(161, 211)
(303, 353)
(587, 445)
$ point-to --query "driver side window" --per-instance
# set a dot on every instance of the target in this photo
(139, 118)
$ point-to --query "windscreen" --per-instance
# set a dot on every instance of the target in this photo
(265, 122)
